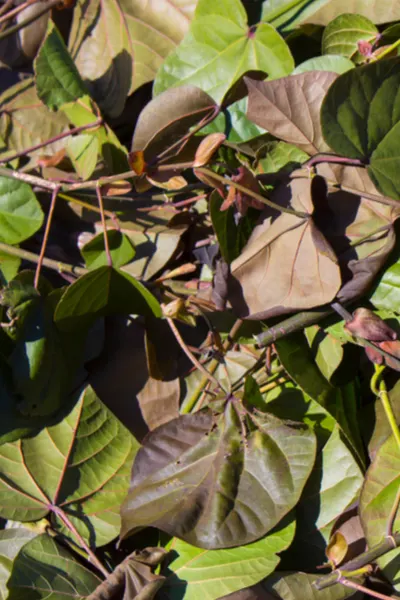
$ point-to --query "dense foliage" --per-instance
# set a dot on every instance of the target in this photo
(199, 277)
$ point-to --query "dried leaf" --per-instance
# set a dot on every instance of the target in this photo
(262, 285)
(289, 108)
(207, 147)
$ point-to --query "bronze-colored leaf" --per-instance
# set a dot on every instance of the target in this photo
(287, 265)
(336, 550)
(289, 108)
(207, 147)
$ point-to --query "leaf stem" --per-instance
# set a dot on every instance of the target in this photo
(381, 391)
(249, 192)
(291, 325)
(104, 225)
(56, 138)
(335, 159)
(388, 543)
(361, 588)
(69, 525)
(31, 19)
(46, 236)
(209, 376)
(55, 265)
(387, 51)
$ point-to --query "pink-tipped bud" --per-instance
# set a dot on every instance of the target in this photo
(366, 324)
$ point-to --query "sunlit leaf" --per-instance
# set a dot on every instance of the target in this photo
(80, 465)
(120, 246)
(46, 569)
(342, 35)
(330, 62)
(220, 42)
(20, 212)
(211, 574)
(215, 488)
(289, 108)
(378, 11)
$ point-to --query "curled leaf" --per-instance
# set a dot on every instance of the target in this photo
(207, 147)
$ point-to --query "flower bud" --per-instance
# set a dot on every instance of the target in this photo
(366, 324)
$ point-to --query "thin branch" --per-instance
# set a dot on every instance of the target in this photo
(333, 158)
(30, 179)
(31, 19)
(56, 138)
(249, 192)
(361, 588)
(55, 265)
(292, 324)
(69, 525)
(388, 544)
(190, 355)
(15, 11)
(103, 222)
(45, 237)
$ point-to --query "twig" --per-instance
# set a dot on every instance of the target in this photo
(92, 557)
(190, 355)
(388, 544)
(361, 588)
(15, 11)
(45, 236)
(387, 51)
(333, 158)
(292, 324)
(6, 6)
(55, 265)
(381, 391)
(103, 222)
(31, 19)
(249, 192)
(56, 138)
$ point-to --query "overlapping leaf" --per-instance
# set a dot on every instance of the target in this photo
(360, 118)
(11, 541)
(46, 569)
(289, 108)
(20, 212)
(206, 481)
(80, 465)
(378, 11)
(262, 285)
(210, 574)
(377, 500)
(220, 48)
(342, 35)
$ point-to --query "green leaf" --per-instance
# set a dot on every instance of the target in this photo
(281, 156)
(20, 212)
(104, 291)
(342, 35)
(220, 42)
(293, 586)
(81, 466)
(121, 249)
(360, 118)
(57, 78)
(234, 122)
(11, 542)
(377, 499)
(9, 266)
(45, 569)
(210, 574)
(327, 351)
(224, 225)
(26, 122)
(83, 151)
(224, 482)
(377, 11)
(331, 62)
(386, 294)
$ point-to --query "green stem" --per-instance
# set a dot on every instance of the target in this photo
(55, 265)
(11, 30)
(378, 387)
(387, 51)
(249, 192)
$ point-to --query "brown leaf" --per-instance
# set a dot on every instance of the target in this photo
(285, 266)
(289, 108)
(140, 582)
(207, 147)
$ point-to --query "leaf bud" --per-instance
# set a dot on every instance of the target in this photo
(366, 324)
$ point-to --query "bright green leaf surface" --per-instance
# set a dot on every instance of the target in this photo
(43, 569)
(331, 62)
(121, 250)
(11, 542)
(103, 291)
(81, 465)
(57, 78)
(342, 35)
(210, 574)
(83, 150)
(235, 124)
(20, 212)
(219, 48)
(386, 295)
(326, 350)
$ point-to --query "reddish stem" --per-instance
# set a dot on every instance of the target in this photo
(46, 236)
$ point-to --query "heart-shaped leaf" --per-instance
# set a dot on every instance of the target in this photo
(219, 41)
(289, 108)
(57, 78)
(210, 574)
(105, 290)
(20, 212)
(44, 569)
(360, 118)
(342, 35)
(120, 246)
(263, 286)
(223, 482)
(79, 466)
(377, 500)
